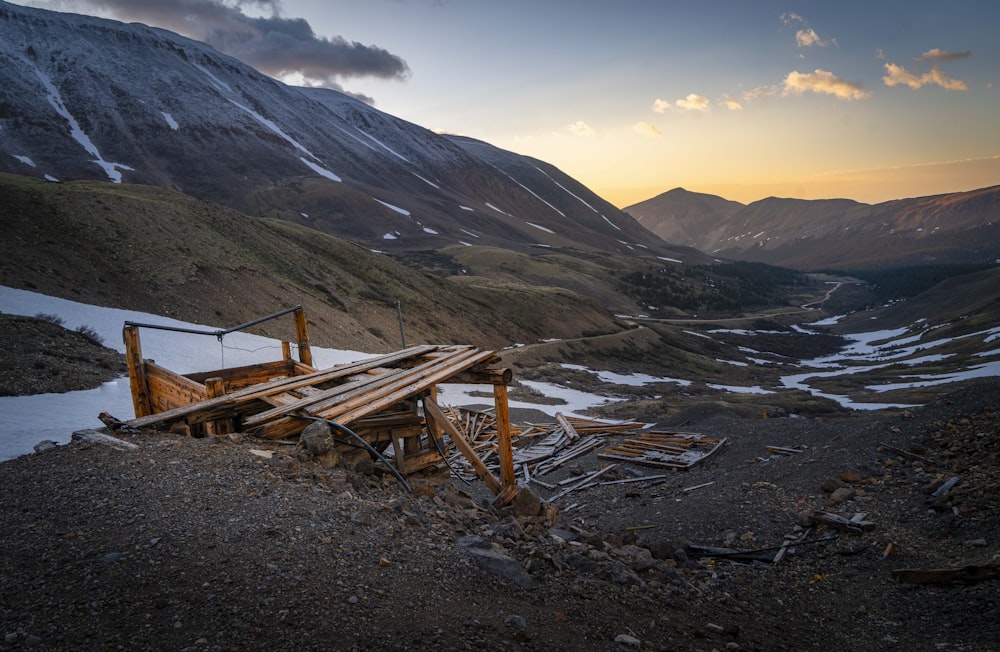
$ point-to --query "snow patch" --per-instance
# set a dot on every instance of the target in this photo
(499, 210)
(401, 211)
(112, 170)
(670, 260)
(320, 170)
(541, 228)
(24, 159)
(576, 197)
(612, 223)
(170, 120)
(427, 181)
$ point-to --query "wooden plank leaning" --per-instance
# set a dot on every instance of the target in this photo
(432, 411)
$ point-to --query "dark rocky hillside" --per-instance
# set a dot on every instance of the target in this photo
(148, 249)
(86, 98)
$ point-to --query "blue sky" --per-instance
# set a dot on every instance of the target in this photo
(867, 100)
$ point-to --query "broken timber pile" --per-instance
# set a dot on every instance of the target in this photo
(378, 399)
(539, 448)
(674, 450)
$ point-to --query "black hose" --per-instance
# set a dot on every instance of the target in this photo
(347, 431)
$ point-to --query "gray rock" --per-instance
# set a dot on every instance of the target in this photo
(317, 438)
(628, 641)
(527, 502)
(832, 484)
(624, 575)
(516, 621)
(841, 495)
(497, 563)
(45, 446)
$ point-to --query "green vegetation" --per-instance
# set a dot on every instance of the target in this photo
(905, 282)
(732, 287)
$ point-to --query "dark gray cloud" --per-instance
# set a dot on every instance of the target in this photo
(274, 45)
(937, 54)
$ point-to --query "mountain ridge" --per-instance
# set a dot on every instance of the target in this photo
(844, 234)
(90, 98)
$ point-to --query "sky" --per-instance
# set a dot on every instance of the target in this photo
(744, 99)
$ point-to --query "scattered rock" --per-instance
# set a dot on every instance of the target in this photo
(628, 641)
(317, 438)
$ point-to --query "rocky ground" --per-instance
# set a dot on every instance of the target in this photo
(40, 356)
(232, 543)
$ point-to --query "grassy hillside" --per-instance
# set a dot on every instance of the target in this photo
(149, 249)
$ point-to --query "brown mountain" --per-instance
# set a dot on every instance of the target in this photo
(88, 98)
(832, 233)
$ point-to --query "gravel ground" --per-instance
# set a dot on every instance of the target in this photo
(211, 544)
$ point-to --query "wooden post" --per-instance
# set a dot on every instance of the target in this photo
(141, 401)
(433, 430)
(286, 350)
(503, 436)
(302, 334)
(215, 387)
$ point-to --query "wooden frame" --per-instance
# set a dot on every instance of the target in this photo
(376, 397)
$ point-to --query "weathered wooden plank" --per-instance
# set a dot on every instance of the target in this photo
(141, 401)
(410, 386)
(370, 398)
(432, 411)
(215, 408)
(567, 426)
(169, 390)
(237, 378)
(503, 435)
(302, 335)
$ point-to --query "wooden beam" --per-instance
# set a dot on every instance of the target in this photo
(567, 426)
(432, 411)
(228, 404)
(215, 387)
(484, 377)
(302, 334)
(504, 449)
(141, 402)
(169, 390)
(370, 395)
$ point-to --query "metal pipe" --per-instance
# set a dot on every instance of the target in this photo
(216, 333)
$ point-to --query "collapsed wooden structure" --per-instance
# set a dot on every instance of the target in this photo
(386, 400)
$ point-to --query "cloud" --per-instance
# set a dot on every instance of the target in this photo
(760, 91)
(646, 129)
(731, 104)
(694, 102)
(273, 44)
(790, 18)
(896, 75)
(808, 37)
(823, 82)
(937, 54)
(661, 106)
(581, 128)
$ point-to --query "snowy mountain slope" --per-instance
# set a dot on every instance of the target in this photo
(87, 98)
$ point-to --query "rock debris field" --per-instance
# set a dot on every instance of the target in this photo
(871, 532)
